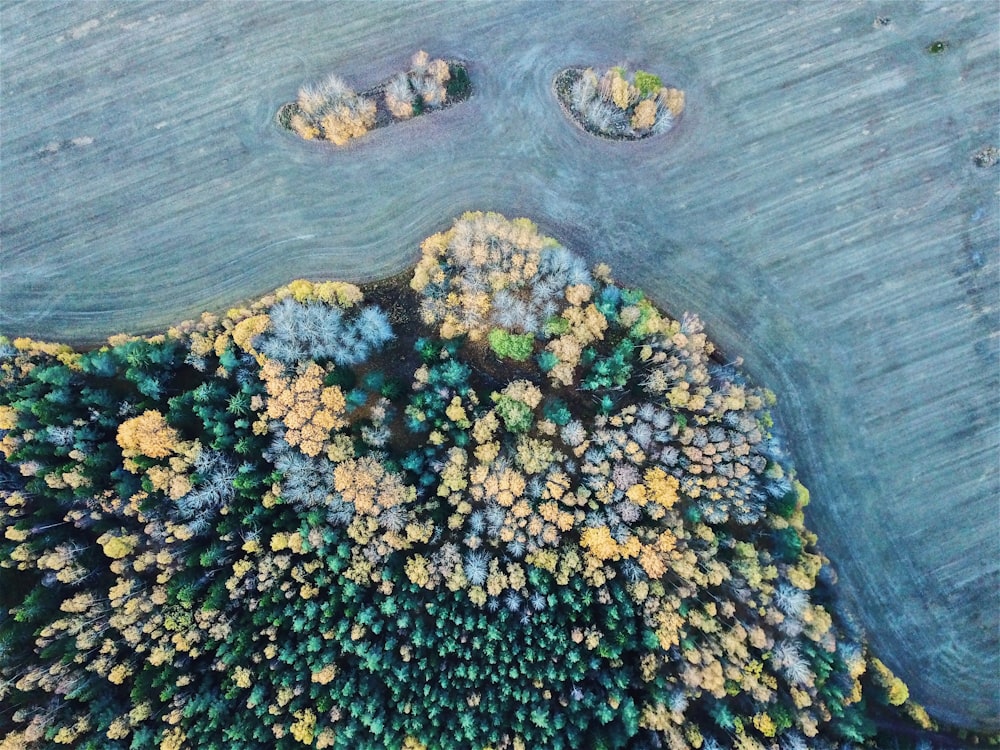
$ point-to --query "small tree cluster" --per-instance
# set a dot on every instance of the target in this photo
(424, 86)
(332, 111)
(506, 275)
(148, 436)
(317, 331)
(618, 104)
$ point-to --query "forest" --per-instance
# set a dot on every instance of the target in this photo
(510, 504)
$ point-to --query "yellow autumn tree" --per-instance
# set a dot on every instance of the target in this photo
(308, 409)
(117, 547)
(303, 729)
(644, 116)
(672, 99)
(248, 329)
(599, 543)
(661, 488)
(896, 691)
(339, 293)
(148, 435)
(343, 122)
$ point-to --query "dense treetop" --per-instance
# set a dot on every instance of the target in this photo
(515, 506)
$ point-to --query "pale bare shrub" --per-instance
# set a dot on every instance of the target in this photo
(399, 97)
(605, 117)
(335, 89)
(419, 61)
(664, 120)
(438, 70)
(605, 84)
(584, 90)
(432, 92)
(311, 100)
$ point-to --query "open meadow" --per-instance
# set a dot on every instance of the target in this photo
(817, 205)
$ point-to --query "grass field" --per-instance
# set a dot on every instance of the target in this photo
(817, 205)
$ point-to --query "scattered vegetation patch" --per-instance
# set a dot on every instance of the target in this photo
(617, 104)
(334, 112)
(987, 156)
(937, 47)
(525, 509)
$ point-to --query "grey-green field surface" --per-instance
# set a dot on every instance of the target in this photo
(817, 205)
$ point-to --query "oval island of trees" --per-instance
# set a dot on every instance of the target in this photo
(618, 104)
(333, 111)
(503, 503)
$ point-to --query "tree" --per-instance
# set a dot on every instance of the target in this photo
(516, 403)
(511, 345)
(321, 331)
(647, 83)
(346, 120)
(644, 116)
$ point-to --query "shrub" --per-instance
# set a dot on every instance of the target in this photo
(302, 127)
(399, 96)
(584, 90)
(645, 115)
(432, 93)
(459, 85)
(346, 120)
